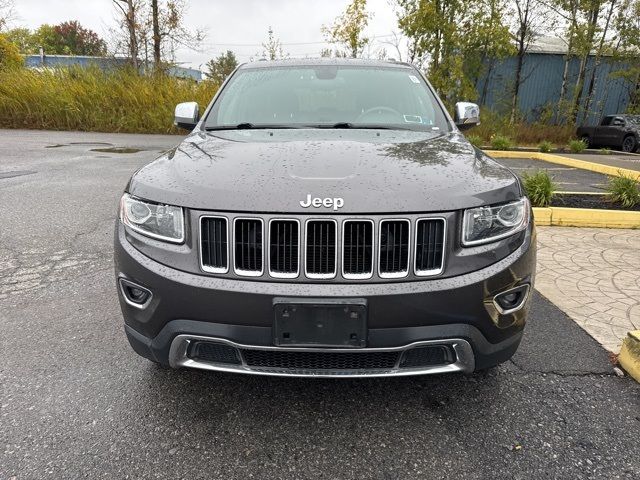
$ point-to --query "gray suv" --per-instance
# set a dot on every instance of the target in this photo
(325, 218)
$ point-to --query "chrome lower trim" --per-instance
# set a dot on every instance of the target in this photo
(465, 360)
(517, 307)
(121, 284)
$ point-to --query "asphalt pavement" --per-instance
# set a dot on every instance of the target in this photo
(567, 179)
(77, 402)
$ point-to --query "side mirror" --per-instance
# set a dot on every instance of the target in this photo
(186, 115)
(467, 115)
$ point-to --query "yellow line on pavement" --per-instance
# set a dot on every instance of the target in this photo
(585, 217)
(570, 162)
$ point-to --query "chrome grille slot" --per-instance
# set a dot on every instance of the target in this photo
(284, 240)
(321, 249)
(430, 235)
(213, 244)
(393, 253)
(248, 246)
(357, 249)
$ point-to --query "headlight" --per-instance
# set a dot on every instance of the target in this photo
(488, 224)
(164, 222)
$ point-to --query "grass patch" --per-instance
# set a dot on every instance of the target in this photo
(577, 146)
(539, 187)
(475, 140)
(545, 146)
(624, 190)
(500, 142)
(90, 99)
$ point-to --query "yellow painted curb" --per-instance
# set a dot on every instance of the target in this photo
(585, 217)
(629, 357)
(569, 162)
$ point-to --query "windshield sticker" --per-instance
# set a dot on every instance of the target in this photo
(413, 119)
(414, 79)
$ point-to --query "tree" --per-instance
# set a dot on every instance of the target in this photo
(6, 13)
(73, 39)
(22, 38)
(222, 66)
(457, 40)
(349, 27)
(627, 27)
(532, 18)
(9, 54)
(272, 47)
(129, 20)
(168, 29)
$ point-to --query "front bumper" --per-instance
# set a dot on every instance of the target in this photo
(456, 313)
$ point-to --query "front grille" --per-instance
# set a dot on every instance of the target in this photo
(283, 248)
(321, 360)
(357, 249)
(429, 246)
(321, 249)
(248, 246)
(213, 232)
(394, 248)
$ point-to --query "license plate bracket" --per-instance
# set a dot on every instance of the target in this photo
(320, 322)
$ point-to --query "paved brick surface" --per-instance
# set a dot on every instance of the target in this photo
(593, 275)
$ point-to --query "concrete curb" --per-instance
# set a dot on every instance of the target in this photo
(569, 162)
(585, 217)
(629, 357)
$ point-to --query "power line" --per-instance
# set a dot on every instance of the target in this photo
(288, 44)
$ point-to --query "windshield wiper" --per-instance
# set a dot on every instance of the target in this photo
(362, 126)
(249, 126)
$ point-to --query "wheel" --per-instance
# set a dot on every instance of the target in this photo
(629, 144)
(586, 140)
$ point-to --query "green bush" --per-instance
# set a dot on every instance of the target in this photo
(624, 190)
(10, 57)
(605, 151)
(501, 142)
(545, 147)
(539, 187)
(577, 146)
(91, 99)
(475, 140)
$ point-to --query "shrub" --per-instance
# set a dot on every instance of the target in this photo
(577, 146)
(539, 187)
(500, 142)
(475, 140)
(9, 54)
(545, 146)
(624, 190)
(90, 99)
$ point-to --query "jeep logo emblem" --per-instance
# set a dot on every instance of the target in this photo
(317, 202)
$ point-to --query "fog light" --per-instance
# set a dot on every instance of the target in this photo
(511, 300)
(134, 294)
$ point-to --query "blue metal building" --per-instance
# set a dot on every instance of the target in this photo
(52, 61)
(542, 72)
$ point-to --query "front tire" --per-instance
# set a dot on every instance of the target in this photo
(629, 144)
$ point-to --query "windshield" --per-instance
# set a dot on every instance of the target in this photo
(327, 96)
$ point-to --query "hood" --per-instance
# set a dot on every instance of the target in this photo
(273, 171)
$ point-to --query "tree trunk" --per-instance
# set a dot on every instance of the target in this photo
(592, 80)
(593, 23)
(156, 34)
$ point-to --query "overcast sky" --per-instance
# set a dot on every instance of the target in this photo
(238, 25)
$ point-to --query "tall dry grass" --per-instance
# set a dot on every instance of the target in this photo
(90, 99)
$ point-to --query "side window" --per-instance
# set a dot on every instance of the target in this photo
(606, 121)
(618, 122)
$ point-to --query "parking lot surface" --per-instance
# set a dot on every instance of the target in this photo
(75, 401)
(567, 179)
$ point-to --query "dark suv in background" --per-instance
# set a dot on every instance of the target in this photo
(325, 218)
(616, 131)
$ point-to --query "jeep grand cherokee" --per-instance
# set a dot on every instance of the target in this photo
(325, 218)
